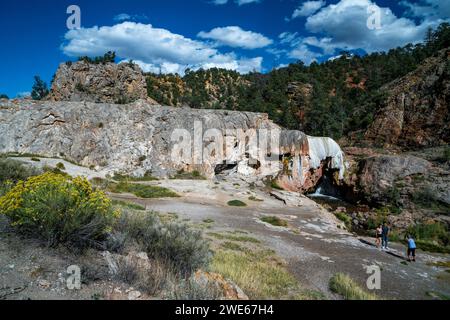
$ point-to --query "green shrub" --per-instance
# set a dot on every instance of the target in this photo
(129, 205)
(275, 221)
(426, 198)
(12, 170)
(124, 178)
(193, 290)
(59, 209)
(253, 198)
(346, 287)
(194, 175)
(434, 231)
(181, 247)
(274, 184)
(236, 203)
(344, 218)
(60, 166)
(35, 159)
(143, 191)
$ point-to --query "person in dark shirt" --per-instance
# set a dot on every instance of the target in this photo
(384, 236)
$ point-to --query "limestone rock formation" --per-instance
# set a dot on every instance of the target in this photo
(417, 111)
(106, 83)
(140, 137)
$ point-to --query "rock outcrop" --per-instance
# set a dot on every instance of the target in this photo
(140, 137)
(378, 174)
(102, 83)
(416, 113)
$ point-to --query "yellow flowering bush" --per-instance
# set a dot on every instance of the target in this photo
(59, 209)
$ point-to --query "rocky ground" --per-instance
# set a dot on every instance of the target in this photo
(314, 244)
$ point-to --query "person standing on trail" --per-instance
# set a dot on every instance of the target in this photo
(378, 236)
(384, 236)
(411, 249)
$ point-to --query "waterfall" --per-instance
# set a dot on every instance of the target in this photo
(321, 148)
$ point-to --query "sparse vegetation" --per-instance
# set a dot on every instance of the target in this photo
(253, 198)
(176, 244)
(190, 289)
(437, 295)
(13, 171)
(236, 203)
(233, 237)
(344, 218)
(433, 237)
(275, 221)
(109, 57)
(259, 273)
(228, 245)
(127, 178)
(194, 175)
(274, 184)
(426, 198)
(129, 205)
(445, 157)
(143, 191)
(346, 287)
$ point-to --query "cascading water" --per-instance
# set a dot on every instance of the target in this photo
(326, 188)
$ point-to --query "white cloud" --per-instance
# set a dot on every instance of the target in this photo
(304, 53)
(238, 2)
(343, 26)
(308, 8)
(428, 9)
(242, 2)
(289, 38)
(23, 94)
(335, 21)
(219, 2)
(128, 17)
(236, 37)
(122, 17)
(153, 48)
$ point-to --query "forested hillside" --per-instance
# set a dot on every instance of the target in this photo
(332, 99)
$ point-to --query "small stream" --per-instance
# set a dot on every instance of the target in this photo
(331, 198)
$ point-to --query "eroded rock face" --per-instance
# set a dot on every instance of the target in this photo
(379, 173)
(140, 137)
(107, 83)
(417, 111)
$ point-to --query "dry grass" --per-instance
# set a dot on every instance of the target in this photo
(345, 286)
(260, 274)
(275, 221)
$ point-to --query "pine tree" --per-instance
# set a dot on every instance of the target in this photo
(40, 89)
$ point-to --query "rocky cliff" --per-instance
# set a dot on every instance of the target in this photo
(103, 82)
(416, 113)
(141, 137)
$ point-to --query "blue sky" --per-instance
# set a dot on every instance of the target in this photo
(172, 35)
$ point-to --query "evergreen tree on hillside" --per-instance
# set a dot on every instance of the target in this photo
(40, 89)
(347, 91)
(3, 96)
